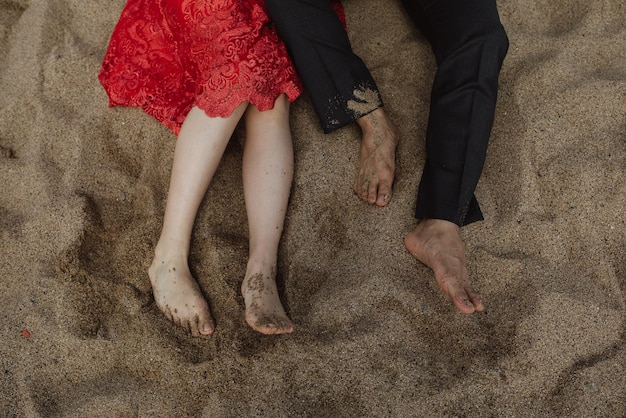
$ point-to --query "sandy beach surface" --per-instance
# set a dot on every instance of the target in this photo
(83, 193)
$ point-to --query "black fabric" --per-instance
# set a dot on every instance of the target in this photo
(321, 51)
(469, 44)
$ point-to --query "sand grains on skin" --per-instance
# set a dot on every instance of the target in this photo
(438, 244)
(264, 311)
(178, 296)
(377, 159)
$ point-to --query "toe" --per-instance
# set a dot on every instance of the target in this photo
(168, 313)
(372, 193)
(362, 190)
(457, 293)
(206, 326)
(384, 196)
(463, 304)
(204, 320)
(184, 324)
(476, 302)
(193, 326)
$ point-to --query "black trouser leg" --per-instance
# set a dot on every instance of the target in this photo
(469, 43)
(332, 74)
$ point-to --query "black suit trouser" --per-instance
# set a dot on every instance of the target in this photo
(469, 44)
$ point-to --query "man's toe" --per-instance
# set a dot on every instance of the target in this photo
(463, 304)
(478, 304)
(384, 195)
(372, 193)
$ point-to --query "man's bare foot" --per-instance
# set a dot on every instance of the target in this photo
(437, 243)
(177, 294)
(377, 161)
(264, 312)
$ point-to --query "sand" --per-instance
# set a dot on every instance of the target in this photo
(83, 192)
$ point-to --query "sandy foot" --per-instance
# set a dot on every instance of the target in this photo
(264, 311)
(375, 174)
(178, 295)
(438, 244)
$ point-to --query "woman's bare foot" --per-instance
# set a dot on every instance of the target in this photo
(437, 243)
(264, 312)
(377, 160)
(177, 294)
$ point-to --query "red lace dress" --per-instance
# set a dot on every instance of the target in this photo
(167, 56)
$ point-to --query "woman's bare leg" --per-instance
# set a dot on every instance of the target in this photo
(267, 176)
(199, 149)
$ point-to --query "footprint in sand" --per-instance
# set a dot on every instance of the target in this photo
(10, 12)
(7, 152)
